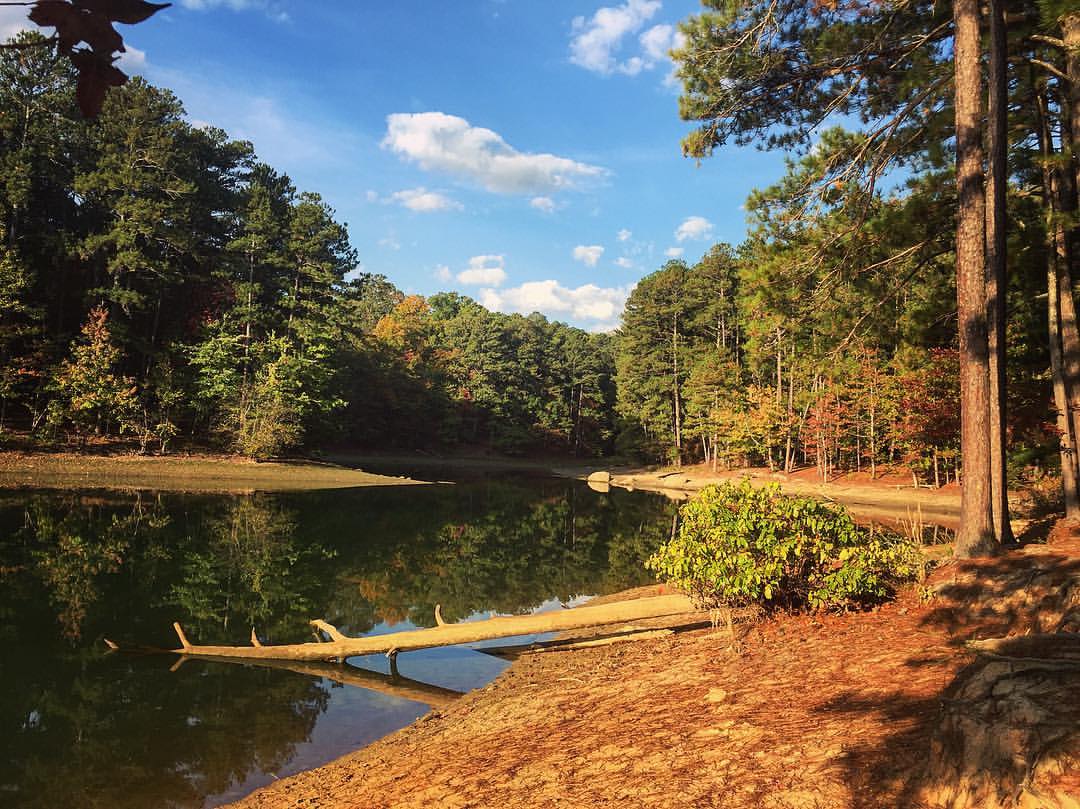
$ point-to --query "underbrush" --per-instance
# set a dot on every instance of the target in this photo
(738, 546)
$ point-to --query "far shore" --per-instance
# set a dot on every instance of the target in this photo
(887, 495)
(858, 491)
(185, 473)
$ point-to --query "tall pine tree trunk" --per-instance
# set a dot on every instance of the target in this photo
(997, 284)
(975, 536)
(1063, 184)
(1070, 27)
(1066, 432)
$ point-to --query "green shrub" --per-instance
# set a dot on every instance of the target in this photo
(737, 545)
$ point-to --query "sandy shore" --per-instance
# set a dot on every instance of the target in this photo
(794, 712)
(888, 491)
(189, 473)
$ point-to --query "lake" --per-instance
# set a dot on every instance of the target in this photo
(84, 727)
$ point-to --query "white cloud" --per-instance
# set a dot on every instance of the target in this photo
(132, 60)
(595, 41)
(673, 252)
(371, 196)
(623, 235)
(624, 262)
(658, 41)
(597, 44)
(390, 242)
(442, 272)
(447, 143)
(599, 307)
(423, 201)
(588, 254)
(694, 227)
(545, 204)
(486, 271)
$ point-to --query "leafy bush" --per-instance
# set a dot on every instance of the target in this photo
(737, 545)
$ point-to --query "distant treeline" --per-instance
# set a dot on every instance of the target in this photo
(157, 281)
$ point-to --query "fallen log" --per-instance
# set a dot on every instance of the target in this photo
(340, 646)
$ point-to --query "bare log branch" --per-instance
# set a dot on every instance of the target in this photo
(329, 629)
(180, 634)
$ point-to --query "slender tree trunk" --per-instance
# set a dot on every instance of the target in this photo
(997, 283)
(675, 386)
(1066, 435)
(1061, 402)
(975, 536)
(1070, 27)
(779, 368)
(1057, 198)
(873, 434)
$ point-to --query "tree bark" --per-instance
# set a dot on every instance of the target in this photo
(997, 284)
(339, 646)
(1066, 434)
(975, 536)
(1070, 28)
(675, 386)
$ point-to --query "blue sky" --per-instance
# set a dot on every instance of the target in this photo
(524, 153)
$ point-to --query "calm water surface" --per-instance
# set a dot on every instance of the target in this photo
(81, 727)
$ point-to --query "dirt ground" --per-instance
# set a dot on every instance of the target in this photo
(189, 473)
(797, 712)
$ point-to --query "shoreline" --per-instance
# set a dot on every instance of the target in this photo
(692, 479)
(887, 492)
(791, 712)
(201, 473)
(888, 498)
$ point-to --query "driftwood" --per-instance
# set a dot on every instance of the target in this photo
(340, 646)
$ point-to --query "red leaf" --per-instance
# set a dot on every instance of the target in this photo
(62, 16)
(74, 25)
(98, 33)
(52, 13)
(96, 75)
(128, 12)
(90, 92)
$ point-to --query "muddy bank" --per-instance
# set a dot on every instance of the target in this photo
(187, 473)
(799, 712)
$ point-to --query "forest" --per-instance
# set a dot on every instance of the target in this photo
(162, 284)
(159, 283)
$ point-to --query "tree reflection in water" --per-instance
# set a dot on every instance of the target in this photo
(84, 728)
